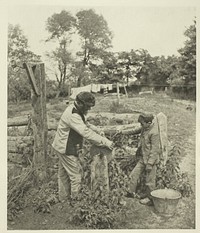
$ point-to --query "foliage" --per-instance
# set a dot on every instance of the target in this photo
(51, 89)
(187, 63)
(18, 48)
(183, 79)
(170, 176)
(94, 32)
(95, 37)
(146, 65)
(61, 27)
(18, 88)
(45, 197)
(97, 208)
(80, 72)
(18, 53)
(105, 72)
(17, 187)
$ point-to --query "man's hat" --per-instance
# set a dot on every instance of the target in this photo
(86, 97)
(146, 117)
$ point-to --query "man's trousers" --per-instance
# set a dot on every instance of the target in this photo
(69, 176)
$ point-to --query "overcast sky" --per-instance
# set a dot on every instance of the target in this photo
(156, 29)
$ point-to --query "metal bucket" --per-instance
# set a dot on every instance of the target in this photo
(165, 201)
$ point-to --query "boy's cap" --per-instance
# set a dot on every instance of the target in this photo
(146, 117)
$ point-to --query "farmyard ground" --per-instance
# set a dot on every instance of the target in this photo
(181, 130)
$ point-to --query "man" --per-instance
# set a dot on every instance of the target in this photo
(149, 147)
(72, 128)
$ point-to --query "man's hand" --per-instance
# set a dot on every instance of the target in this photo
(131, 151)
(148, 168)
(117, 133)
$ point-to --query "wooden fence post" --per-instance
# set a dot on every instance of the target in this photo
(118, 94)
(36, 75)
(126, 93)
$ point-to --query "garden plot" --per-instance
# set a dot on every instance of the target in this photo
(181, 131)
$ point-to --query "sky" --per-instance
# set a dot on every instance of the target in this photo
(156, 29)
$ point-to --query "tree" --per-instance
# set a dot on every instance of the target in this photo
(187, 64)
(107, 70)
(145, 65)
(161, 71)
(61, 27)
(95, 37)
(129, 63)
(18, 52)
(183, 79)
(62, 59)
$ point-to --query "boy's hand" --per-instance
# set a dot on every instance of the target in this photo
(102, 133)
(149, 168)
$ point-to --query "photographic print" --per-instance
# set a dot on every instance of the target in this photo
(101, 116)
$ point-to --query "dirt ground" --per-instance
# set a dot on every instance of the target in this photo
(181, 130)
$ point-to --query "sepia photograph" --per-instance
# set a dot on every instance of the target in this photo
(101, 115)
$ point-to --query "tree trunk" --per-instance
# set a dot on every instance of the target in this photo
(79, 81)
(57, 93)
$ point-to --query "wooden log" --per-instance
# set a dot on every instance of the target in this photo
(52, 126)
(112, 129)
(14, 170)
(16, 158)
(108, 129)
(16, 144)
(20, 138)
(18, 131)
(22, 121)
(52, 122)
(14, 147)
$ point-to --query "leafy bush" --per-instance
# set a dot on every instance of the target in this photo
(51, 89)
(170, 175)
(99, 209)
(45, 197)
